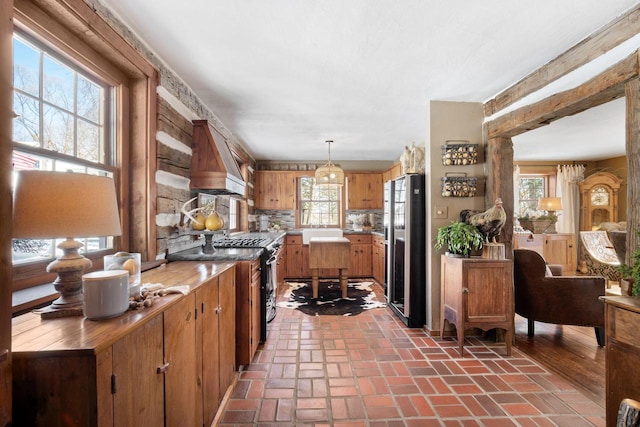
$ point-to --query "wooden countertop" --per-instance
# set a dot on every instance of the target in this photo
(78, 334)
(627, 302)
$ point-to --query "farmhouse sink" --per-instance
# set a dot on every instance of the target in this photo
(309, 233)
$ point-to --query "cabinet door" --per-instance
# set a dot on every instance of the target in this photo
(294, 261)
(561, 249)
(247, 310)
(181, 375)
(274, 190)
(364, 191)
(139, 393)
(208, 349)
(488, 299)
(227, 328)
(360, 261)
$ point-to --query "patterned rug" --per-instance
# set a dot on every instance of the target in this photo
(360, 297)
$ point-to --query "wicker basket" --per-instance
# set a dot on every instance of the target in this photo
(536, 226)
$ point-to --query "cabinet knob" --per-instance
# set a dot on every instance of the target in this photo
(162, 369)
(218, 310)
(465, 290)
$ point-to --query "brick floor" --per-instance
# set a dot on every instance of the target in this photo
(370, 370)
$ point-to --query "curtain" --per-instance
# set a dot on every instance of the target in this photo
(567, 189)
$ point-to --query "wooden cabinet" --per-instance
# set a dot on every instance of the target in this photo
(247, 310)
(557, 248)
(297, 258)
(364, 190)
(377, 259)
(130, 390)
(622, 363)
(275, 190)
(293, 257)
(166, 365)
(392, 173)
(477, 293)
(360, 255)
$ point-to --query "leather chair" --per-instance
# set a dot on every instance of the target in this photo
(562, 300)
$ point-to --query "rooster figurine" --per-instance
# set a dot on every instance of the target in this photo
(489, 222)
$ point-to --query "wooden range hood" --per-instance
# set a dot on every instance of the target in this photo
(213, 167)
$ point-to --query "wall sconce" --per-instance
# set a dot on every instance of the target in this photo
(551, 205)
(50, 205)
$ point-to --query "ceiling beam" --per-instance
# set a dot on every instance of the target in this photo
(601, 89)
(606, 38)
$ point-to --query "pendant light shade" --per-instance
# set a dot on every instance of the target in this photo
(329, 174)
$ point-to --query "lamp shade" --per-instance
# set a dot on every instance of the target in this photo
(329, 174)
(550, 203)
(48, 205)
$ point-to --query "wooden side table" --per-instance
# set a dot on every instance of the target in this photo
(329, 252)
(477, 293)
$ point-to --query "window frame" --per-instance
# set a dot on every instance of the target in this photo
(102, 53)
(301, 201)
(549, 178)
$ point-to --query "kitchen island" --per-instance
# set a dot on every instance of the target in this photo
(167, 364)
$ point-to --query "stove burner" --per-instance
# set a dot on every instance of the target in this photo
(240, 243)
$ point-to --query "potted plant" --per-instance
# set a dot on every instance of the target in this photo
(631, 274)
(537, 224)
(459, 238)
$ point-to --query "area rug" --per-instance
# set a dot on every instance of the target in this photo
(360, 297)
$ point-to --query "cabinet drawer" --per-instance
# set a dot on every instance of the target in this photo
(378, 241)
(293, 240)
(359, 238)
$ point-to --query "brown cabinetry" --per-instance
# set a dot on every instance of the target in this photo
(247, 311)
(377, 259)
(297, 258)
(559, 248)
(275, 190)
(622, 364)
(360, 255)
(167, 365)
(364, 190)
(477, 293)
(293, 257)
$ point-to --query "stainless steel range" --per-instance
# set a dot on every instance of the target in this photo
(236, 248)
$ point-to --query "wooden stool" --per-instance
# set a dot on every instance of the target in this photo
(329, 252)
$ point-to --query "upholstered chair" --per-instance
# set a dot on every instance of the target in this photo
(561, 300)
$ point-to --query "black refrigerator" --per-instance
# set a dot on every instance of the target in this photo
(405, 257)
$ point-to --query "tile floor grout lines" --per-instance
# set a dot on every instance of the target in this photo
(370, 370)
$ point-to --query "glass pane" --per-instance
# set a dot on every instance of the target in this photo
(58, 84)
(27, 250)
(26, 68)
(58, 131)
(88, 141)
(89, 96)
(26, 127)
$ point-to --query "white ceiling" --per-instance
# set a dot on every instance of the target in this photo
(286, 75)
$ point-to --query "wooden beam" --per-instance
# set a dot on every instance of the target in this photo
(6, 206)
(632, 96)
(601, 89)
(611, 35)
(500, 184)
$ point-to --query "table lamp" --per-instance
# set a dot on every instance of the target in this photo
(50, 205)
(551, 205)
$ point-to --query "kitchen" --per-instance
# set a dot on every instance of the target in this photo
(160, 192)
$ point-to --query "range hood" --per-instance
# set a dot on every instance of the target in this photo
(213, 168)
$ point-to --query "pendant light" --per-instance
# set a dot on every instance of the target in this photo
(329, 174)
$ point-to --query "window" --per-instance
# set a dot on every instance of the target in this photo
(532, 187)
(63, 122)
(233, 214)
(320, 205)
